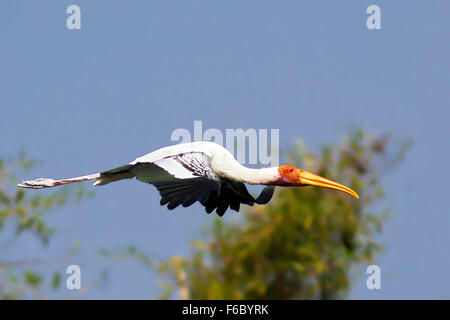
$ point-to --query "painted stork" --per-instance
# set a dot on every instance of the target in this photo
(201, 171)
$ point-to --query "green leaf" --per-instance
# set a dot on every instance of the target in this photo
(12, 278)
(32, 279)
(56, 280)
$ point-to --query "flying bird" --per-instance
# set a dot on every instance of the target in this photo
(201, 171)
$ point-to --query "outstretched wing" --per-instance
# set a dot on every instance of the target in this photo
(185, 178)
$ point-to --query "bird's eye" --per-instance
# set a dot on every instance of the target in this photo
(290, 170)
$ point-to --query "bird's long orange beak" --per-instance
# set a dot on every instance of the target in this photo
(308, 178)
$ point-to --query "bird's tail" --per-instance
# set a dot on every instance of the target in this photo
(48, 183)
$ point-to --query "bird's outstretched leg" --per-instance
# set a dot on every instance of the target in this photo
(48, 183)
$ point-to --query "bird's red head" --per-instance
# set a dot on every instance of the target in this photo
(298, 177)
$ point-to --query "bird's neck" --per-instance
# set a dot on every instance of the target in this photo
(237, 172)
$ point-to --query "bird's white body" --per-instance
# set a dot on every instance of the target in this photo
(221, 160)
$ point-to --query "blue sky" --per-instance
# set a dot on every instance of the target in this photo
(91, 99)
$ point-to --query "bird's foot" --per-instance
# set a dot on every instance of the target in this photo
(37, 183)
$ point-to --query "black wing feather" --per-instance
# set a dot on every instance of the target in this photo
(213, 192)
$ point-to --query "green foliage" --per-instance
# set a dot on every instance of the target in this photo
(32, 279)
(25, 213)
(301, 245)
(56, 280)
